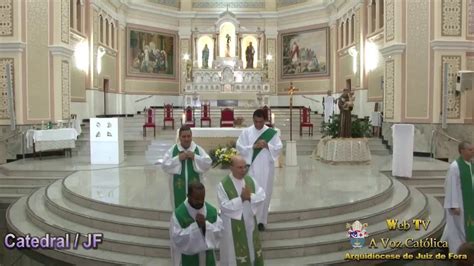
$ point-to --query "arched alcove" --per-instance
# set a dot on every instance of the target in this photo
(245, 43)
(227, 35)
(201, 43)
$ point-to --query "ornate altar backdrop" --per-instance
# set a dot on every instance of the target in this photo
(226, 76)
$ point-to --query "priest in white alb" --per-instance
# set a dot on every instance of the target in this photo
(328, 107)
(186, 162)
(239, 197)
(459, 200)
(260, 146)
(195, 230)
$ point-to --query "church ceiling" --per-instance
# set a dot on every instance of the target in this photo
(229, 3)
(171, 3)
(284, 3)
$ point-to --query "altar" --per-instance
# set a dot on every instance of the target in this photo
(51, 139)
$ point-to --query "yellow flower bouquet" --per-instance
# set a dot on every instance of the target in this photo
(222, 155)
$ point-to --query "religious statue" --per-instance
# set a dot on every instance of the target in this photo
(227, 46)
(189, 70)
(205, 57)
(249, 52)
(346, 104)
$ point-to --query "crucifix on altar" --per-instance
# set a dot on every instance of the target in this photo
(291, 159)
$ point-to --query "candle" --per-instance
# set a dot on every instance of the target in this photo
(184, 118)
(273, 118)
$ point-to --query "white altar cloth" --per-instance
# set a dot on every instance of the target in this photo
(50, 135)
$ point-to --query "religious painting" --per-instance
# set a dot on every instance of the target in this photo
(151, 52)
(304, 53)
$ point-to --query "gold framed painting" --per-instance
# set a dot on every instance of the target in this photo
(151, 52)
(304, 53)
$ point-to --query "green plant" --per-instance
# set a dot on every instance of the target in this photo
(360, 127)
(331, 129)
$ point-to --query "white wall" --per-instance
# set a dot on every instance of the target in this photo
(132, 106)
(80, 109)
(362, 108)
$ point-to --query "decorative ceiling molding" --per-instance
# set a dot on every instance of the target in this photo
(285, 3)
(251, 4)
(170, 3)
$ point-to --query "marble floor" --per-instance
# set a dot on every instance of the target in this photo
(138, 183)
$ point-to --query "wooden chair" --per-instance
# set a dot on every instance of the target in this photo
(149, 121)
(267, 116)
(168, 115)
(189, 117)
(206, 113)
(227, 117)
(305, 120)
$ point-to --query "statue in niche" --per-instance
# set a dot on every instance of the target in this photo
(249, 52)
(205, 57)
(227, 46)
(189, 70)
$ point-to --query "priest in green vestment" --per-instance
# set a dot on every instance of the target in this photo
(459, 199)
(260, 146)
(185, 162)
(239, 197)
(195, 230)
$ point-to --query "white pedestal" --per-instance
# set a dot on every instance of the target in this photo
(106, 140)
(291, 159)
(403, 142)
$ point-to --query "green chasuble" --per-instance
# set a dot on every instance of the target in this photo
(239, 234)
(179, 181)
(467, 188)
(186, 220)
(267, 135)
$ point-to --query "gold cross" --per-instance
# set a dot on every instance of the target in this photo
(292, 89)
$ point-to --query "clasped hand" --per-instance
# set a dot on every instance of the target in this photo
(245, 195)
(261, 144)
(201, 220)
(186, 155)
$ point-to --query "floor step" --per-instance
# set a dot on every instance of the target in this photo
(112, 241)
(17, 189)
(393, 205)
(430, 189)
(101, 220)
(336, 241)
(423, 180)
(19, 222)
(9, 198)
(30, 180)
(436, 226)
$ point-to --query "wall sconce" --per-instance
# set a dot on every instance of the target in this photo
(269, 57)
(81, 56)
(100, 54)
(186, 57)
